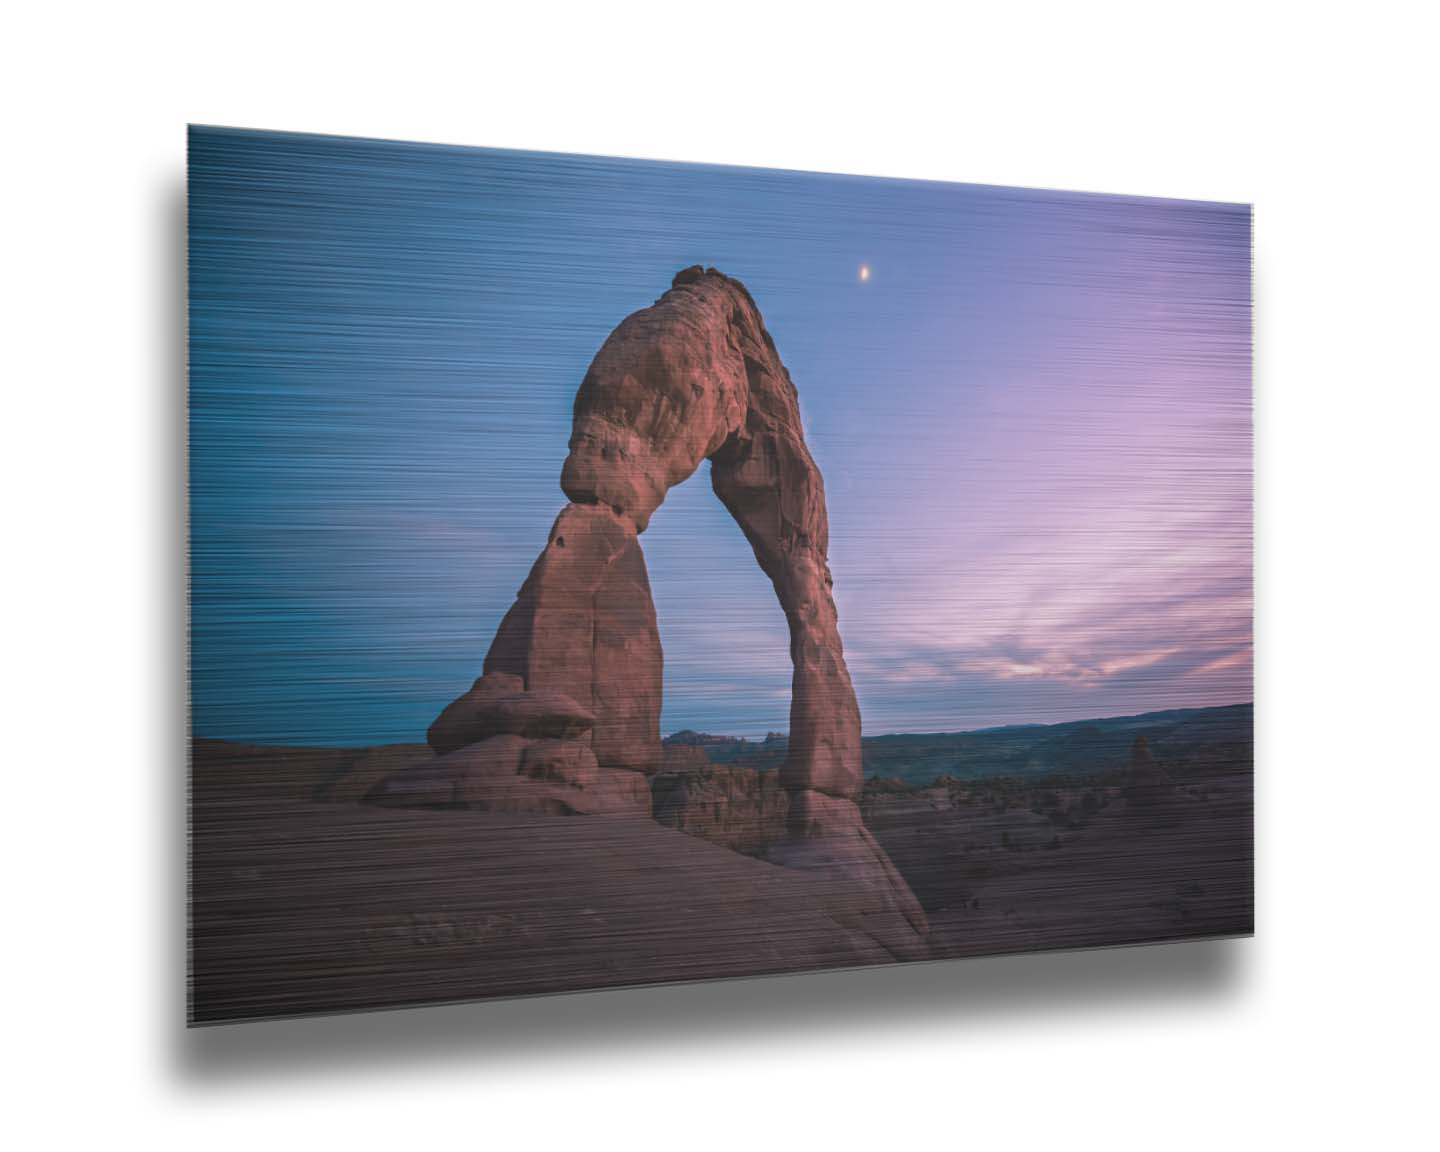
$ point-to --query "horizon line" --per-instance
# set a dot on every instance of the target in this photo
(262, 743)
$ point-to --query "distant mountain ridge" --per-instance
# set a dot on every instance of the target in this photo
(1177, 735)
(689, 738)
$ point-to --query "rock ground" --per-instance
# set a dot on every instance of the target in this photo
(304, 901)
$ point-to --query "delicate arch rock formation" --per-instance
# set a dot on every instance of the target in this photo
(577, 662)
(697, 377)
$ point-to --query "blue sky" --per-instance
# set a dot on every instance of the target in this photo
(1033, 419)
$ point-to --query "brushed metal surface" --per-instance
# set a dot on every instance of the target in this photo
(1033, 415)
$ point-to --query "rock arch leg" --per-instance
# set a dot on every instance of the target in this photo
(774, 491)
(772, 487)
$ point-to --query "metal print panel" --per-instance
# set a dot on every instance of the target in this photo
(607, 572)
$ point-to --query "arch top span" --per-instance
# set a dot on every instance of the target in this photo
(690, 378)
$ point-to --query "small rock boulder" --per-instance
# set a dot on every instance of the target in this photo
(513, 773)
(476, 774)
(498, 705)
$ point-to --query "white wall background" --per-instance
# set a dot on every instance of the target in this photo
(1320, 1032)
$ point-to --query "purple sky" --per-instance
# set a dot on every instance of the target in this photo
(1040, 491)
(1033, 419)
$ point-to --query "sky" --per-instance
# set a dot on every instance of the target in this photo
(1032, 411)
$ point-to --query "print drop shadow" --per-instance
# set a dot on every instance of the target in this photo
(945, 994)
(878, 1002)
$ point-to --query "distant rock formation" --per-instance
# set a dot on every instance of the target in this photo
(689, 738)
(1147, 788)
(1141, 759)
(739, 808)
(695, 377)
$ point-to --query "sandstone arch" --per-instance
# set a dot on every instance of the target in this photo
(697, 377)
(577, 659)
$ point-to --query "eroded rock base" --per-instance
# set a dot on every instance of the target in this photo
(504, 749)
(510, 773)
(827, 835)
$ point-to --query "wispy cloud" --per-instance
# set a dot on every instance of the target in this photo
(1033, 421)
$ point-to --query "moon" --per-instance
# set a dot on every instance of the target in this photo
(864, 273)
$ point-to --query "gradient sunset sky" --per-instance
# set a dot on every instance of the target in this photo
(1033, 417)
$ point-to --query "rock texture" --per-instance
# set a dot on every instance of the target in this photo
(827, 834)
(510, 773)
(694, 377)
(697, 377)
(584, 625)
(733, 806)
(498, 705)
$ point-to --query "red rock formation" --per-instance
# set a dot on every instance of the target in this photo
(498, 704)
(512, 773)
(736, 807)
(694, 377)
(584, 625)
(697, 377)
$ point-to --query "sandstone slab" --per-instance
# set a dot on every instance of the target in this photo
(828, 835)
(481, 714)
(510, 773)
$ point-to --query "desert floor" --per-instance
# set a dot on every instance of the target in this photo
(302, 905)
